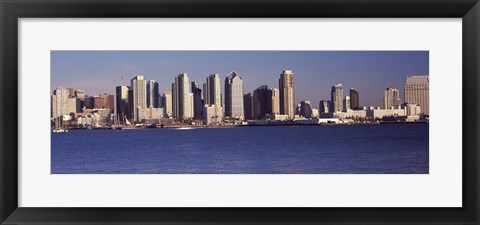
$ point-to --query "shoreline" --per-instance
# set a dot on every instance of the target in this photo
(249, 125)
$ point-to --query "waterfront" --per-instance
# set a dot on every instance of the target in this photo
(359, 149)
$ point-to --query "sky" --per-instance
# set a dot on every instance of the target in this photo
(315, 72)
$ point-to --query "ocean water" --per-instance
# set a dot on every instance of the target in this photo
(358, 149)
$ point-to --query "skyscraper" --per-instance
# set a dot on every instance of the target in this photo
(306, 109)
(234, 96)
(324, 106)
(197, 101)
(181, 97)
(248, 106)
(261, 102)
(287, 94)
(122, 110)
(346, 103)
(337, 98)
(139, 98)
(152, 94)
(274, 96)
(417, 92)
(354, 99)
(167, 104)
(391, 98)
(59, 101)
(212, 91)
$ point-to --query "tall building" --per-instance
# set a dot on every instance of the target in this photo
(261, 102)
(248, 106)
(306, 109)
(167, 104)
(287, 94)
(139, 95)
(74, 105)
(212, 91)
(337, 98)
(324, 106)
(108, 102)
(122, 110)
(80, 94)
(346, 103)
(152, 94)
(59, 101)
(181, 97)
(391, 98)
(234, 96)
(354, 99)
(417, 92)
(274, 96)
(197, 101)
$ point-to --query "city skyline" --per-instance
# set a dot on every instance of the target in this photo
(368, 72)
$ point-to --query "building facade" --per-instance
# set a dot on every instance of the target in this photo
(336, 98)
(324, 106)
(261, 100)
(391, 98)
(197, 101)
(153, 100)
(346, 103)
(306, 109)
(417, 92)
(354, 99)
(139, 95)
(122, 110)
(181, 97)
(274, 95)
(248, 106)
(287, 94)
(167, 104)
(212, 91)
(59, 101)
(234, 96)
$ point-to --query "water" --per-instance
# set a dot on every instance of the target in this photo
(360, 149)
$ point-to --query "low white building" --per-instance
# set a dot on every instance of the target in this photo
(150, 113)
(380, 113)
(213, 114)
(351, 114)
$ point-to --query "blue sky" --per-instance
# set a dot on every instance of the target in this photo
(369, 72)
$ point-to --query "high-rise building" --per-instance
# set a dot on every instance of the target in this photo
(337, 98)
(152, 94)
(261, 102)
(417, 92)
(74, 105)
(274, 96)
(306, 109)
(122, 110)
(108, 102)
(234, 96)
(80, 94)
(346, 103)
(324, 106)
(167, 104)
(354, 99)
(197, 101)
(212, 91)
(248, 106)
(181, 97)
(287, 94)
(59, 101)
(139, 97)
(391, 98)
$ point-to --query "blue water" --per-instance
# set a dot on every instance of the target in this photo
(359, 149)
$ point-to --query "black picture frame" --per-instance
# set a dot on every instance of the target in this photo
(12, 10)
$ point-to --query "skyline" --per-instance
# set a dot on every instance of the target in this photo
(315, 72)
